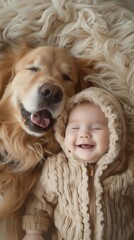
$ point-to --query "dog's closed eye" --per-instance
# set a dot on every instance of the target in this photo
(33, 68)
(66, 77)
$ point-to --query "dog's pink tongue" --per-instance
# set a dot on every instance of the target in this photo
(40, 119)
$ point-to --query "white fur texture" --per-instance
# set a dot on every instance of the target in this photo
(103, 31)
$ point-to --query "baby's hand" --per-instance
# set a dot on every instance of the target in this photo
(33, 237)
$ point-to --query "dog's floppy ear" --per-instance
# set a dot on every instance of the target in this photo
(6, 63)
(84, 68)
(8, 57)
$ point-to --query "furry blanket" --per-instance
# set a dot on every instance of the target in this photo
(102, 31)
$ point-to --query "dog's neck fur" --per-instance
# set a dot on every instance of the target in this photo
(16, 150)
(20, 164)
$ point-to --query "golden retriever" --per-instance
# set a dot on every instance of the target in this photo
(34, 85)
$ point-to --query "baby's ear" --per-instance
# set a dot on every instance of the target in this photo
(84, 68)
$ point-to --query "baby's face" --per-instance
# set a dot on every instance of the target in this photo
(87, 134)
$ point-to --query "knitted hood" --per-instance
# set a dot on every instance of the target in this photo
(116, 124)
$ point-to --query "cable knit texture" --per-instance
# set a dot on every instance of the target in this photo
(62, 192)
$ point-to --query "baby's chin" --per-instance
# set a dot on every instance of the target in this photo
(85, 159)
(88, 160)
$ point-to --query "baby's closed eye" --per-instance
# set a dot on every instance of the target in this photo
(75, 127)
(98, 127)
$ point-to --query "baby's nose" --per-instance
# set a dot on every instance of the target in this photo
(84, 136)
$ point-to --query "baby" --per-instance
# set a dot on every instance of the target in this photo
(86, 189)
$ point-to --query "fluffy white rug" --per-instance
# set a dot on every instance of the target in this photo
(103, 31)
(87, 28)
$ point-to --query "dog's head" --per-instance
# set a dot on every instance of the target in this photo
(40, 81)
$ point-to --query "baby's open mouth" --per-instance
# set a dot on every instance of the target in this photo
(85, 146)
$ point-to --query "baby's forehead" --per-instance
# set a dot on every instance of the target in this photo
(86, 111)
(84, 107)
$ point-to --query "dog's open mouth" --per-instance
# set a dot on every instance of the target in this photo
(39, 121)
(41, 118)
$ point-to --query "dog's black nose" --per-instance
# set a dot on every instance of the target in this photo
(51, 93)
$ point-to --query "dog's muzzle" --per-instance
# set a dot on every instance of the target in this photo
(49, 98)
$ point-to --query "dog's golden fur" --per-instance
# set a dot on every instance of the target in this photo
(27, 78)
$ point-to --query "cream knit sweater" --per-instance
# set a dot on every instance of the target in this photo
(85, 208)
